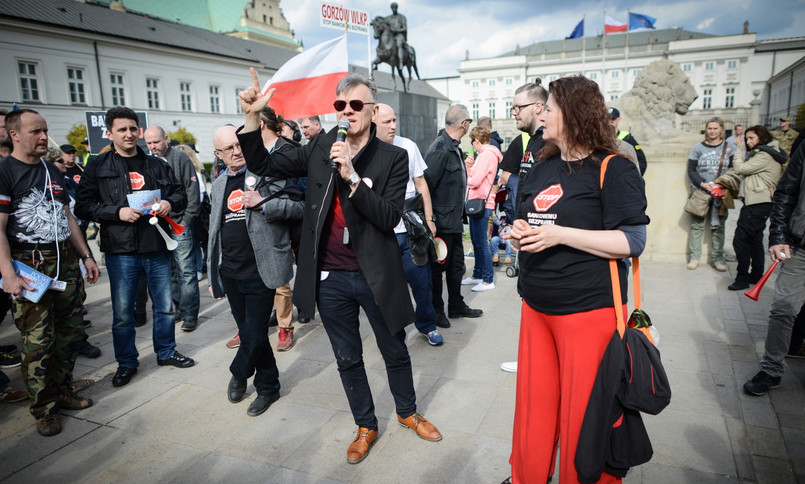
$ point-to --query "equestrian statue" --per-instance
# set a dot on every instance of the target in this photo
(393, 48)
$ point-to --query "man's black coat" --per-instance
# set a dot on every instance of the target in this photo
(371, 214)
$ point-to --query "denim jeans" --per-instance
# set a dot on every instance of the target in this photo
(124, 274)
(418, 278)
(184, 285)
(340, 297)
(789, 296)
(697, 234)
(453, 266)
(250, 301)
(479, 231)
(748, 241)
(495, 242)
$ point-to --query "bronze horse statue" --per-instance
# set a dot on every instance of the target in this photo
(387, 53)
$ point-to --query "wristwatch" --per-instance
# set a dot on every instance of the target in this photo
(354, 178)
(430, 219)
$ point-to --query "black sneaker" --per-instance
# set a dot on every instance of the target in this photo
(123, 376)
(303, 317)
(442, 321)
(8, 349)
(87, 323)
(738, 285)
(88, 350)
(761, 383)
(178, 360)
(465, 312)
(261, 404)
(189, 325)
(9, 360)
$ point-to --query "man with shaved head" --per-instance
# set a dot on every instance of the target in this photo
(416, 212)
(184, 284)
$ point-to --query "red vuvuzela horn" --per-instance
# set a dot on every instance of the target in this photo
(177, 229)
(754, 293)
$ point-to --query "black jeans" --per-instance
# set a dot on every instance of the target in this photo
(453, 266)
(340, 296)
(251, 303)
(748, 241)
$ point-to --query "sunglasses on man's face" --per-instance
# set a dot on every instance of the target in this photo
(356, 105)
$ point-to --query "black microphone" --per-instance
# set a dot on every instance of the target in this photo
(343, 127)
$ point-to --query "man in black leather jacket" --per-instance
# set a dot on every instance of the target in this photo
(787, 245)
(447, 182)
(129, 241)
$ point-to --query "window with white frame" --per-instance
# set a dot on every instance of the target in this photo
(687, 67)
(614, 74)
(709, 66)
(635, 72)
(75, 83)
(185, 96)
(215, 99)
(613, 97)
(593, 75)
(475, 83)
(29, 83)
(732, 64)
(492, 110)
(476, 110)
(238, 107)
(491, 83)
(509, 81)
(729, 101)
(152, 92)
(508, 110)
(118, 90)
(707, 98)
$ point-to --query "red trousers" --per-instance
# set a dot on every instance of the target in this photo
(557, 363)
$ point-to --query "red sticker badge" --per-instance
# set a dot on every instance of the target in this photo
(548, 197)
(235, 201)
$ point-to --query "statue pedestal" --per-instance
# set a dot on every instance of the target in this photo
(416, 116)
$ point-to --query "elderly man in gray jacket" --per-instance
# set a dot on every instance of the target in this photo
(250, 256)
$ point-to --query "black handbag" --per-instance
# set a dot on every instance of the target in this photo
(475, 207)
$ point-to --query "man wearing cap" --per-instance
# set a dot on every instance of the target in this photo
(785, 135)
(415, 262)
(74, 171)
(614, 121)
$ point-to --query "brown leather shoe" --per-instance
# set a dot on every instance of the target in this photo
(422, 427)
(359, 448)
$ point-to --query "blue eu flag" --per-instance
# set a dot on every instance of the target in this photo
(578, 32)
(640, 21)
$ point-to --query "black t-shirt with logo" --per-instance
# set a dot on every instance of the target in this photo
(74, 172)
(237, 255)
(34, 197)
(563, 280)
(517, 161)
(148, 238)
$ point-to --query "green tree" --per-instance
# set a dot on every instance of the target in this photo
(182, 136)
(76, 137)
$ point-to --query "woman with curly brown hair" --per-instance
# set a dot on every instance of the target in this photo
(568, 228)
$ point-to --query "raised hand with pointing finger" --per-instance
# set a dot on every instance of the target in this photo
(252, 101)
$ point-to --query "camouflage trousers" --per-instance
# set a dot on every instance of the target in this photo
(52, 330)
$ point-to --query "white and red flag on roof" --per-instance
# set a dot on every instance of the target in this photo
(611, 25)
(306, 84)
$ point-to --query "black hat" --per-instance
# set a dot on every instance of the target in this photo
(191, 145)
(67, 148)
(614, 113)
(85, 142)
(174, 142)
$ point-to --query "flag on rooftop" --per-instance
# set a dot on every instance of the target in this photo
(640, 21)
(306, 83)
(611, 25)
(578, 32)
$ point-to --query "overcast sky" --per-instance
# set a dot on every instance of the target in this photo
(442, 31)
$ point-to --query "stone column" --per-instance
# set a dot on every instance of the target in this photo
(754, 114)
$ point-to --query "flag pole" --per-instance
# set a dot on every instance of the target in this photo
(626, 54)
(583, 46)
(604, 59)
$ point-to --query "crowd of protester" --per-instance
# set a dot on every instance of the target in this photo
(362, 232)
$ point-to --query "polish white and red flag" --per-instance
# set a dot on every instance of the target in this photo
(611, 25)
(306, 84)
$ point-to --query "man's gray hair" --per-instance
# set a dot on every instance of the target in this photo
(534, 91)
(456, 114)
(354, 80)
(313, 119)
(485, 121)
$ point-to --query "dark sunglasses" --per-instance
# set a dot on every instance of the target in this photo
(58, 161)
(355, 104)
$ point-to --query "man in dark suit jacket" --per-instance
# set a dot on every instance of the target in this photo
(348, 256)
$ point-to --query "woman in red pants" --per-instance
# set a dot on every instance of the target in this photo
(568, 228)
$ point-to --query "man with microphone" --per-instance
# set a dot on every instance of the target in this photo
(348, 256)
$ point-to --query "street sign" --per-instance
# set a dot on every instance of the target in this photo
(336, 16)
(96, 130)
